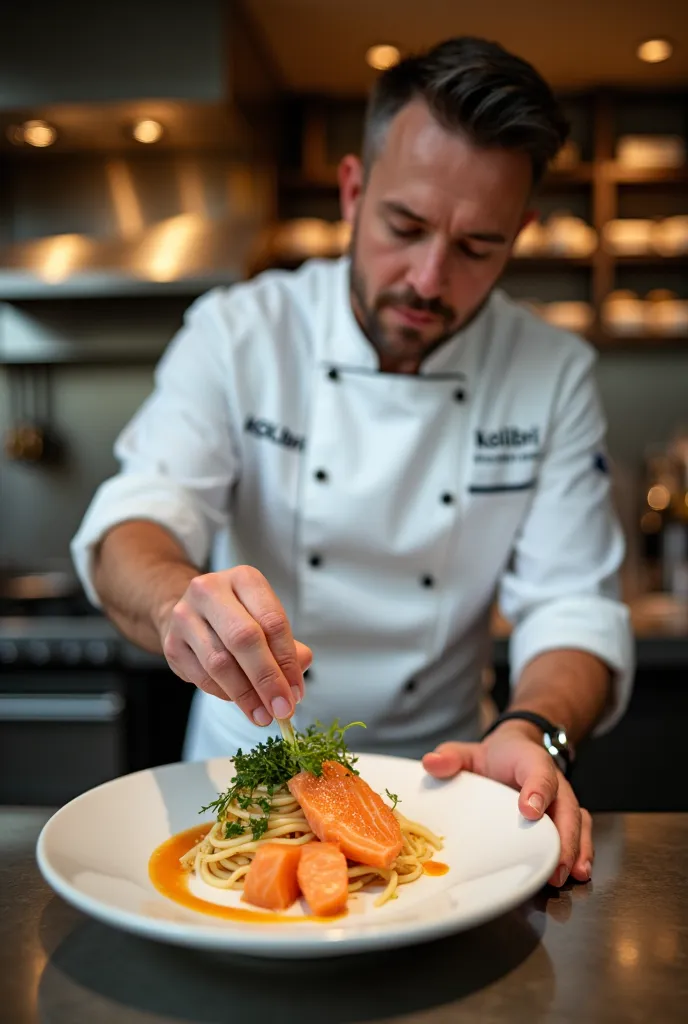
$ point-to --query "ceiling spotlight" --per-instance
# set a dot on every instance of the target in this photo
(147, 131)
(654, 51)
(382, 57)
(34, 133)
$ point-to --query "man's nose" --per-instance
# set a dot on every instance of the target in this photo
(428, 270)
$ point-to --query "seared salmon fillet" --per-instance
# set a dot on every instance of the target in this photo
(341, 808)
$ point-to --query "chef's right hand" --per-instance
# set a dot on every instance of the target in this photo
(230, 636)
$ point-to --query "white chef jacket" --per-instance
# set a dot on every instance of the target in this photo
(385, 510)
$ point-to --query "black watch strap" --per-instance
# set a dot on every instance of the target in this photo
(560, 751)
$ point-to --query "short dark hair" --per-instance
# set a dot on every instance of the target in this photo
(474, 86)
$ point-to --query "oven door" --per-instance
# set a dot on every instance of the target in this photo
(60, 733)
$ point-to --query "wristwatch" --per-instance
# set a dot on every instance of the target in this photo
(554, 738)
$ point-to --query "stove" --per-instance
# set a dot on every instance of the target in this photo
(79, 704)
(62, 631)
(56, 641)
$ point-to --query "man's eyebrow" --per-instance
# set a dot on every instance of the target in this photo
(486, 236)
(395, 207)
(392, 206)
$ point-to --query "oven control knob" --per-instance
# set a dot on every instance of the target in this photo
(9, 652)
(38, 652)
(97, 652)
(70, 652)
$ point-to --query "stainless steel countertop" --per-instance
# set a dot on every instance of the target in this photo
(613, 951)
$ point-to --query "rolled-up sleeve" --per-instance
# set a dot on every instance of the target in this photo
(561, 589)
(178, 457)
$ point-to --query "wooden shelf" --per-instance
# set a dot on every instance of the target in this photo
(652, 260)
(646, 175)
(544, 262)
(583, 174)
(295, 181)
(639, 342)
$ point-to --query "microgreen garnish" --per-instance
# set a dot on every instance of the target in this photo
(260, 827)
(272, 764)
(233, 829)
(393, 797)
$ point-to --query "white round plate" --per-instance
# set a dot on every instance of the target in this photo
(94, 852)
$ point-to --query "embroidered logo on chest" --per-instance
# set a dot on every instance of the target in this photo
(507, 444)
(280, 435)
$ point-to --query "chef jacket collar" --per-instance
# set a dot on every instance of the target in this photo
(347, 345)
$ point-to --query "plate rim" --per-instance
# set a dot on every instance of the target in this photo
(285, 943)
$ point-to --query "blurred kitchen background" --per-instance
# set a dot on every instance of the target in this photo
(149, 152)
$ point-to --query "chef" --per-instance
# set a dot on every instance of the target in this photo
(345, 464)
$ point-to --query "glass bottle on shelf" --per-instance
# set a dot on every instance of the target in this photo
(675, 560)
(664, 517)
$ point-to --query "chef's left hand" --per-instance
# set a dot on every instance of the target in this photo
(511, 756)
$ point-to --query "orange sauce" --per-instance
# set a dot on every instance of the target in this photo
(170, 879)
(435, 867)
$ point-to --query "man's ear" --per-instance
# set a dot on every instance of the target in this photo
(350, 176)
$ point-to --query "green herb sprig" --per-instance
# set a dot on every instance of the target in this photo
(234, 829)
(393, 797)
(272, 764)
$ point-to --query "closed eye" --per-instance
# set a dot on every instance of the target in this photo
(471, 253)
(416, 232)
(404, 232)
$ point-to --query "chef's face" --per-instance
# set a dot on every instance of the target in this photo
(433, 223)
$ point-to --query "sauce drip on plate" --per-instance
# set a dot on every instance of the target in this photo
(170, 879)
(435, 867)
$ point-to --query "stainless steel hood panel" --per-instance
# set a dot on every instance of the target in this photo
(99, 214)
(180, 256)
(175, 255)
(105, 226)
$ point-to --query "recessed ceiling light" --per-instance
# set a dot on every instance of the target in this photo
(654, 51)
(383, 56)
(147, 131)
(35, 133)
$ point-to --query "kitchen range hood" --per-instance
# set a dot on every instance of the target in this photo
(183, 254)
(108, 207)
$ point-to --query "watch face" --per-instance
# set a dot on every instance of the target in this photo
(556, 743)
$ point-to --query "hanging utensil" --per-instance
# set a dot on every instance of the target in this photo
(31, 437)
(53, 445)
(21, 443)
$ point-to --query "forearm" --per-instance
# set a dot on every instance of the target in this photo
(569, 687)
(140, 572)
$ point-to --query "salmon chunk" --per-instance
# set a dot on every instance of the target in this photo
(271, 881)
(341, 808)
(323, 878)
